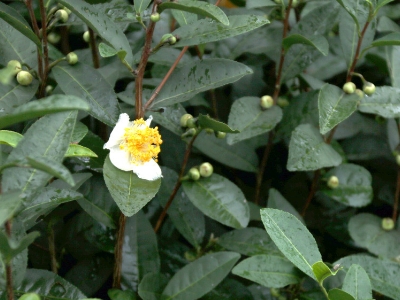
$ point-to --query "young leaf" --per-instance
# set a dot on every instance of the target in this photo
(78, 81)
(292, 238)
(268, 270)
(10, 138)
(199, 76)
(152, 285)
(197, 7)
(322, 271)
(309, 152)
(9, 204)
(317, 41)
(337, 294)
(219, 199)
(205, 121)
(129, 191)
(75, 150)
(335, 106)
(357, 283)
(247, 116)
(10, 248)
(384, 102)
(201, 276)
(392, 39)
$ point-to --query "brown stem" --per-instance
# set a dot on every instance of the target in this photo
(45, 48)
(164, 80)
(93, 48)
(396, 197)
(65, 48)
(177, 185)
(312, 191)
(52, 248)
(214, 103)
(356, 55)
(118, 252)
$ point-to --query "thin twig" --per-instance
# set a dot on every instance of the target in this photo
(45, 48)
(93, 48)
(52, 248)
(313, 189)
(118, 252)
(356, 55)
(396, 197)
(177, 185)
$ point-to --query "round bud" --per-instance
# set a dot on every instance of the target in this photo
(62, 15)
(194, 174)
(24, 78)
(184, 119)
(274, 292)
(333, 182)
(349, 88)
(67, 10)
(209, 131)
(360, 93)
(72, 58)
(172, 40)
(191, 123)
(220, 134)
(369, 88)
(266, 102)
(155, 17)
(49, 89)
(190, 132)
(30, 296)
(295, 3)
(282, 102)
(86, 36)
(53, 37)
(206, 169)
(165, 38)
(15, 66)
(398, 159)
(387, 224)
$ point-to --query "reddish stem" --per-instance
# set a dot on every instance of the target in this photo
(118, 252)
(45, 49)
(356, 55)
(312, 191)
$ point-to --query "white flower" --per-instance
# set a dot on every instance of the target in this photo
(134, 146)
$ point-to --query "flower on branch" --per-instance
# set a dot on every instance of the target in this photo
(134, 146)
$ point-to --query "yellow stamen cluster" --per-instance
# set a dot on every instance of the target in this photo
(142, 142)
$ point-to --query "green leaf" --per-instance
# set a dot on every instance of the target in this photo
(206, 31)
(392, 39)
(152, 285)
(13, 95)
(384, 102)
(108, 51)
(201, 276)
(10, 138)
(10, 248)
(12, 17)
(38, 108)
(141, 5)
(102, 25)
(337, 294)
(247, 241)
(355, 185)
(357, 283)
(140, 252)
(95, 143)
(292, 238)
(48, 138)
(78, 80)
(384, 274)
(317, 41)
(169, 117)
(276, 200)
(199, 76)
(227, 288)
(75, 150)
(366, 230)
(197, 7)
(239, 156)
(393, 63)
(259, 3)
(9, 204)
(219, 199)
(129, 191)
(184, 18)
(97, 212)
(335, 106)
(80, 130)
(205, 121)
(309, 152)
(268, 270)
(116, 294)
(322, 271)
(247, 116)
(387, 25)
(357, 9)
(380, 4)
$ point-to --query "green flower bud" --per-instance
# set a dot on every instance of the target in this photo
(282, 102)
(387, 224)
(67, 10)
(165, 38)
(62, 15)
(30, 296)
(333, 182)
(24, 78)
(86, 36)
(275, 292)
(398, 159)
(49, 89)
(194, 174)
(369, 88)
(184, 119)
(220, 134)
(172, 40)
(189, 133)
(155, 17)
(349, 88)
(191, 123)
(15, 66)
(53, 37)
(295, 3)
(206, 169)
(360, 93)
(209, 131)
(72, 58)
(266, 102)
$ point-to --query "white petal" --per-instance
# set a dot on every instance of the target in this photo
(118, 132)
(148, 121)
(148, 171)
(120, 159)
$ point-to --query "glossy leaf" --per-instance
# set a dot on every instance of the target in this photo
(356, 9)
(80, 130)
(355, 185)
(292, 238)
(75, 150)
(9, 204)
(393, 62)
(206, 31)
(229, 287)
(9, 248)
(392, 39)
(309, 152)
(208, 122)
(102, 25)
(78, 80)
(384, 102)
(219, 199)
(152, 285)
(357, 283)
(268, 270)
(247, 116)
(10, 138)
(97, 212)
(117, 294)
(276, 200)
(140, 252)
(184, 18)
(322, 271)
(199, 277)
(199, 76)
(170, 117)
(335, 106)
(197, 7)
(141, 5)
(129, 191)
(337, 294)
(38, 108)
(317, 41)
(259, 3)
(13, 95)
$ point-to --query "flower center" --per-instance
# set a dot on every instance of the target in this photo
(142, 142)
